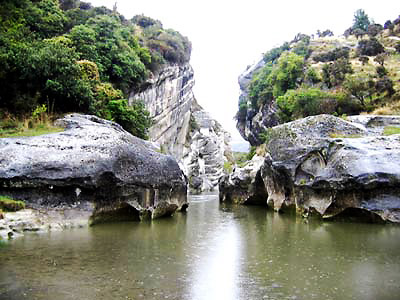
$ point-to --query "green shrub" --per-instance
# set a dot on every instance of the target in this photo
(369, 47)
(134, 119)
(305, 102)
(334, 73)
(342, 52)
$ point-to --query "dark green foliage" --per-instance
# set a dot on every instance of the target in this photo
(364, 60)
(360, 86)
(361, 20)
(385, 86)
(312, 77)
(145, 22)
(334, 73)
(242, 111)
(134, 118)
(260, 89)
(75, 57)
(305, 102)
(342, 52)
(359, 32)
(273, 54)
(374, 29)
(164, 44)
(324, 33)
(274, 80)
(286, 74)
(370, 47)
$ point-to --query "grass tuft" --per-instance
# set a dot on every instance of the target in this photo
(389, 130)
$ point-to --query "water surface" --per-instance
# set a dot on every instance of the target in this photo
(213, 251)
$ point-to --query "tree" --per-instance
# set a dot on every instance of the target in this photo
(361, 20)
(287, 72)
(359, 85)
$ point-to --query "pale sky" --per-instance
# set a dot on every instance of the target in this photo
(229, 35)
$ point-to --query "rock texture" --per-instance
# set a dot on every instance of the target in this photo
(330, 167)
(183, 129)
(244, 185)
(95, 166)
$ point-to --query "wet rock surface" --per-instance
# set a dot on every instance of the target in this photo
(244, 185)
(330, 167)
(94, 166)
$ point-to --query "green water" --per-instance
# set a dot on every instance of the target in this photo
(212, 252)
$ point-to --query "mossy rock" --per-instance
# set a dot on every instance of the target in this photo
(9, 204)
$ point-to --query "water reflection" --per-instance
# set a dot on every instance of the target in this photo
(216, 270)
(212, 252)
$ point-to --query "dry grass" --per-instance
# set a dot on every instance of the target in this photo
(11, 126)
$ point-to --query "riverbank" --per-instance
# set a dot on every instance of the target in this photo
(15, 224)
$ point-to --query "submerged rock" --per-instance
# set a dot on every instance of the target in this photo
(95, 166)
(331, 167)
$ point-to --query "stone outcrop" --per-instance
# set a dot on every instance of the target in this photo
(93, 166)
(244, 185)
(330, 167)
(207, 149)
(183, 129)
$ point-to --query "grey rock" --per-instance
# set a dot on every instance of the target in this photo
(329, 167)
(183, 129)
(244, 185)
(94, 165)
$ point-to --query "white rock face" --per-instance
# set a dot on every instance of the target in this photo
(183, 129)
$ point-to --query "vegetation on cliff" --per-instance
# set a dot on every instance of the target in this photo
(71, 56)
(337, 75)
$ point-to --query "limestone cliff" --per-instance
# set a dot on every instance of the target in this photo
(182, 128)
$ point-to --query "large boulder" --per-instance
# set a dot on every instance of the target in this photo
(95, 166)
(326, 166)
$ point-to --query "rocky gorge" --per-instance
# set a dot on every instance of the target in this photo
(183, 128)
(92, 172)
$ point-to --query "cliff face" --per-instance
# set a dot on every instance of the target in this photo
(182, 128)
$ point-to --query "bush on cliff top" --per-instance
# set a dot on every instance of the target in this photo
(49, 47)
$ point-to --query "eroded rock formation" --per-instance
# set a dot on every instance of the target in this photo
(327, 166)
(93, 166)
(183, 129)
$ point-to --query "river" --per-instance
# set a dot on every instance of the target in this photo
(214, 251)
